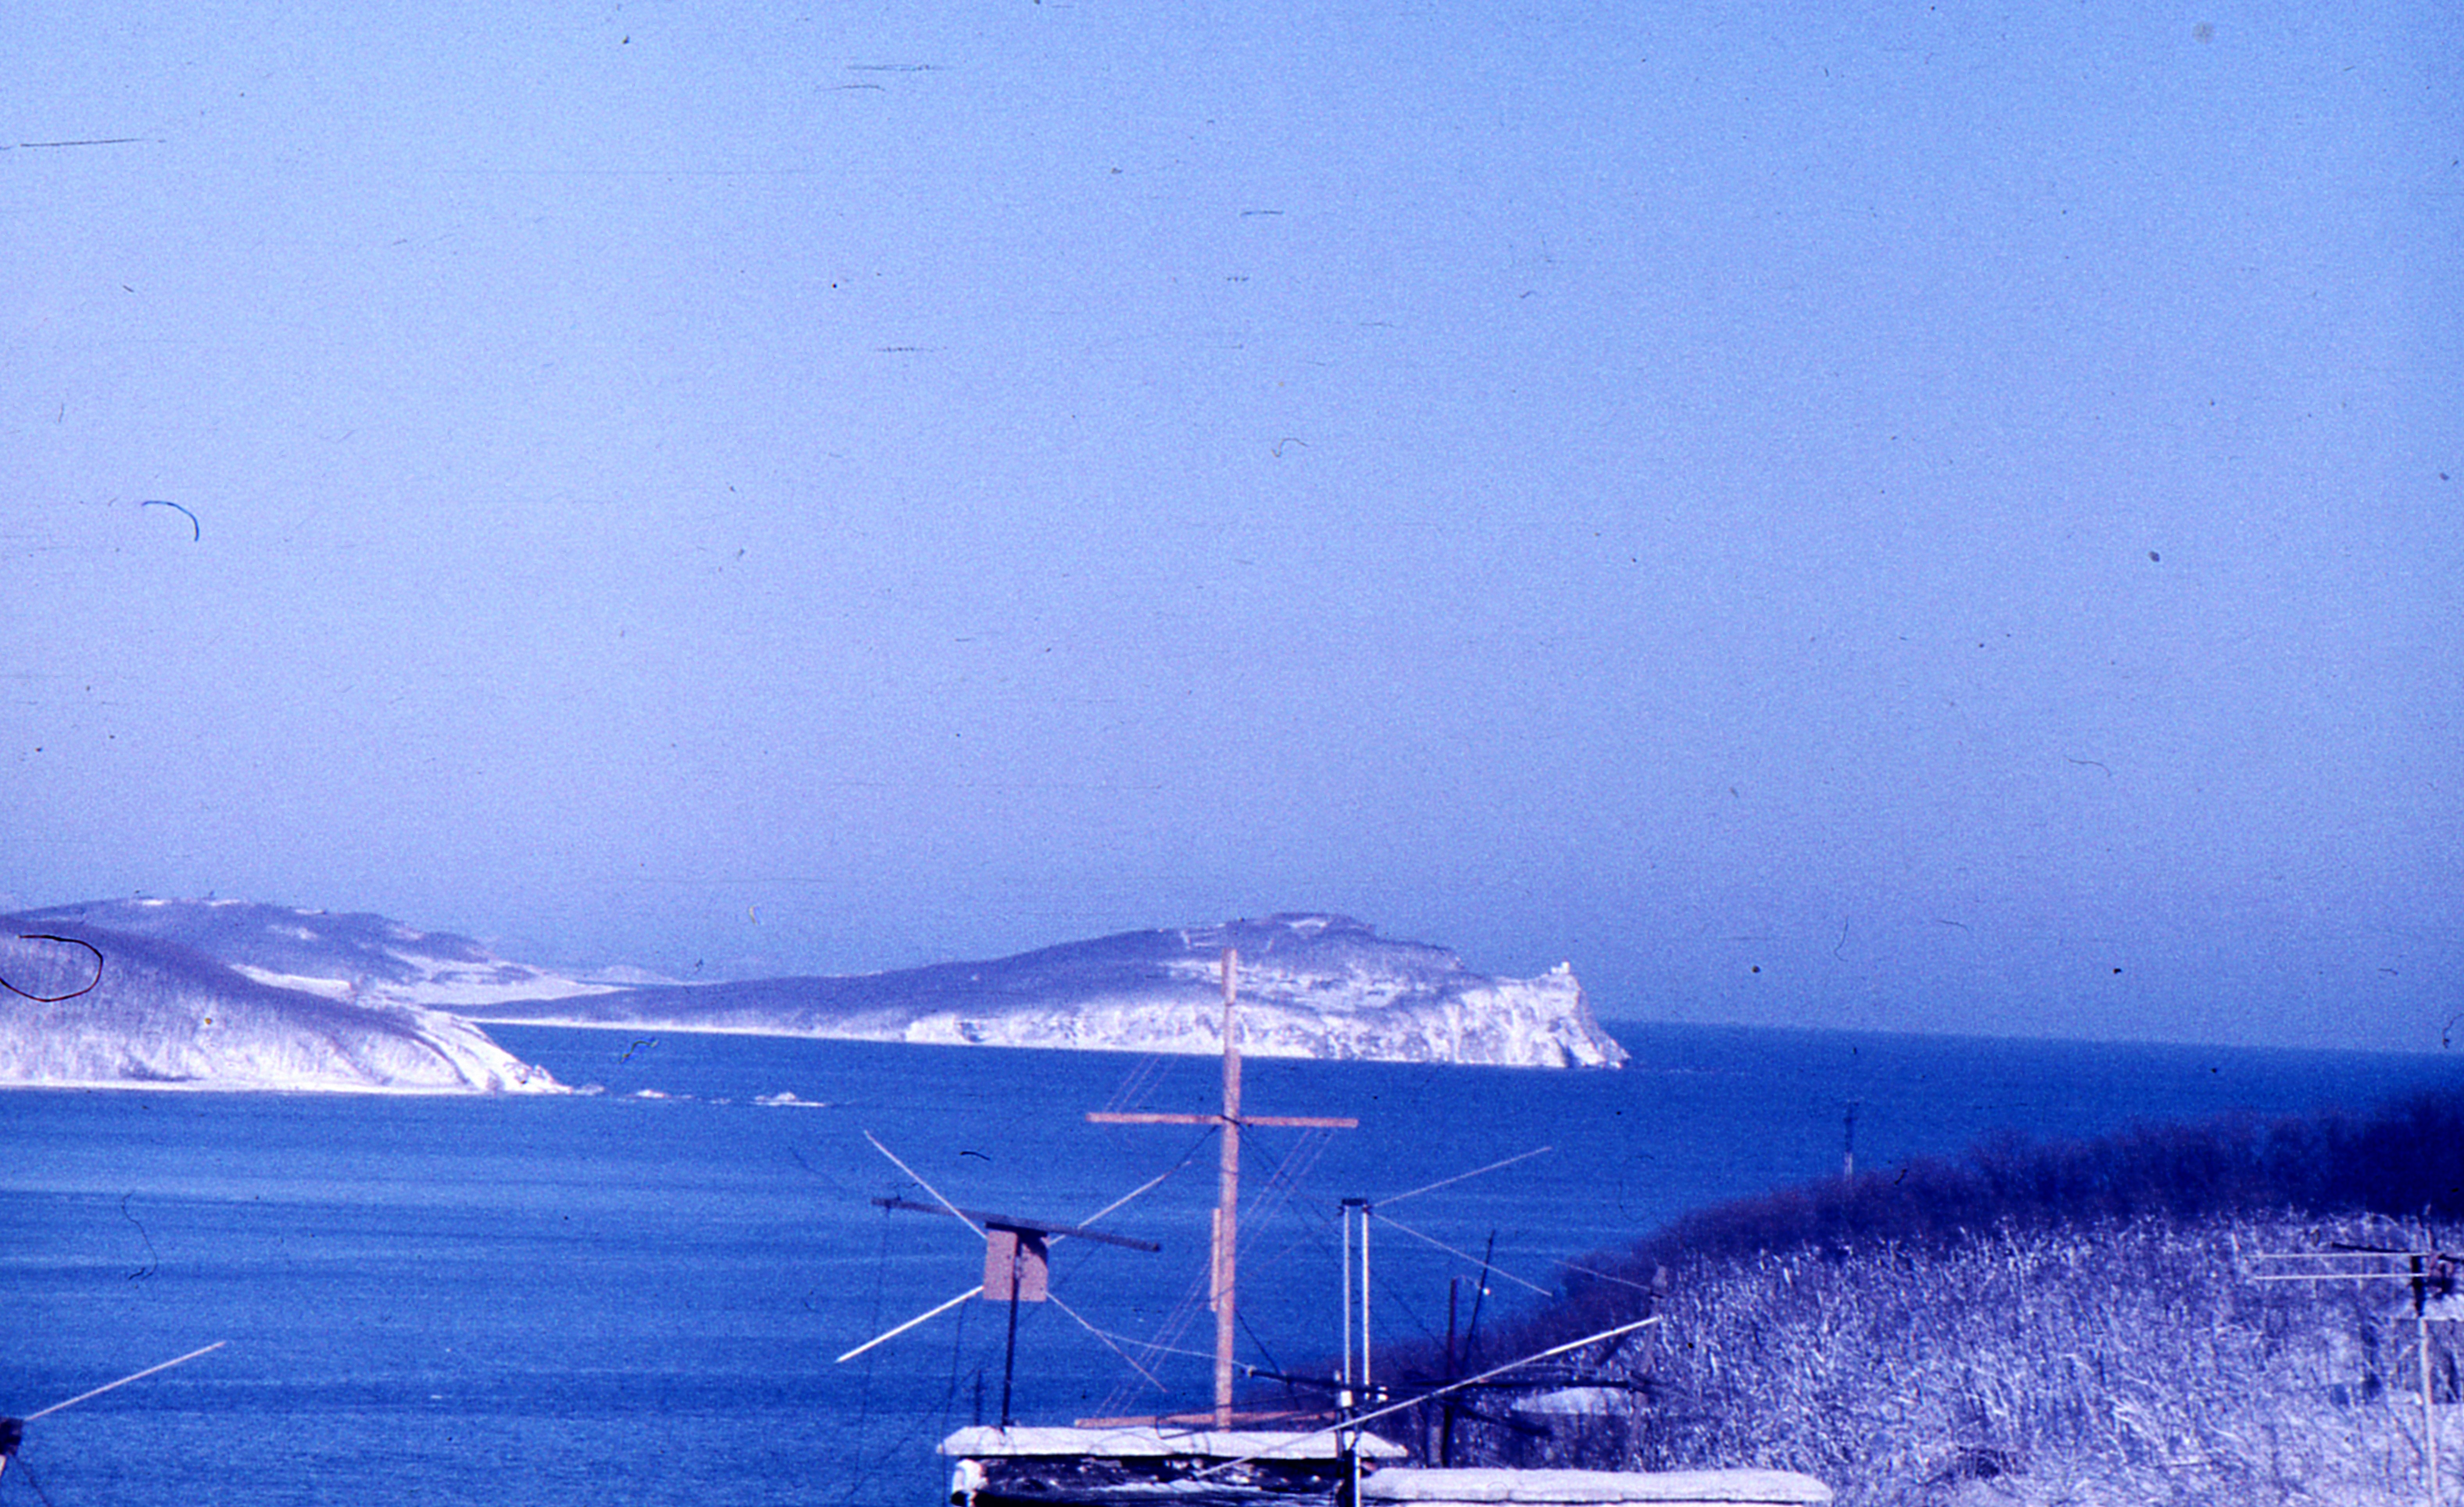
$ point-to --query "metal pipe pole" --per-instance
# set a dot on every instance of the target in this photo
(1346, 1399)
(1368, 1388)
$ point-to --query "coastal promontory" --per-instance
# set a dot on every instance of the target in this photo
(1311, 986)
(240, 994)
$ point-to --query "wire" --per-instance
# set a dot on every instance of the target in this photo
(1466, 1255)
(1397, 1198)
(1107, 1338)
(1394, 1299)
(1640, 1287)
(1265, 1206)
(1295, 1164)
(1169, 1328)
(1282, 1183)
(30, 1481)
(1177, 1318)
(1242, 1317)
(1355, 1422)
(950, 1393)
(1137, 1191)
(864, 1394)
(1241, 1366)
(1135, 1082)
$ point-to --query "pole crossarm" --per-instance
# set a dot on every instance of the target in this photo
(1303, 1121)
(2344, 1265)
(1032, 1226)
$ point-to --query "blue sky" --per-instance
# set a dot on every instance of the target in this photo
(1920, 519)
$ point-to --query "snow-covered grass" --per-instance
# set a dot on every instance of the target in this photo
(2122, 1364)
(2052, 1345)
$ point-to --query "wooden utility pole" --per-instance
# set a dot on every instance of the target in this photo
(1228, 1198)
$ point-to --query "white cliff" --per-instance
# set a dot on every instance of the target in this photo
(88, 1006)
(1311, 985)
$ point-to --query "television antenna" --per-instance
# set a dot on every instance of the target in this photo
(2429, 1272)
(1018, 1266)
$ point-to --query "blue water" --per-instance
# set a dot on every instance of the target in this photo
(626, 1299)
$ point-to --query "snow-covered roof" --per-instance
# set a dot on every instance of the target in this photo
(986, 1441)
(1573, 1402)
(1582, 1488)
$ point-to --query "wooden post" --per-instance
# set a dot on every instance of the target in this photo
(1228, 1199)
(2428, 1398)
(1227, 1205)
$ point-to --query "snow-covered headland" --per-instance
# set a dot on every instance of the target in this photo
(1311, 986)
(237, 996)
(353, 955)
(92, 1007)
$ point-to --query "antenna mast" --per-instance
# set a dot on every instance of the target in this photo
(1228, 1199)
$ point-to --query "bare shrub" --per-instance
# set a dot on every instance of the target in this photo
(2036, 1325)
(2126, 1363)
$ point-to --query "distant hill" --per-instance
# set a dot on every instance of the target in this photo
(1311, 985)
(343, 955)
(92, 1004)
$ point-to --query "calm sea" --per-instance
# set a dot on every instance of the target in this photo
(638, 1299)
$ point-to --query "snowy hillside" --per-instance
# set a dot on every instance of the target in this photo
(351, 956)
(85, 1005)
(1311, 985)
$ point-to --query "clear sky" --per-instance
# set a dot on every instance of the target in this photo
(1917, 518)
